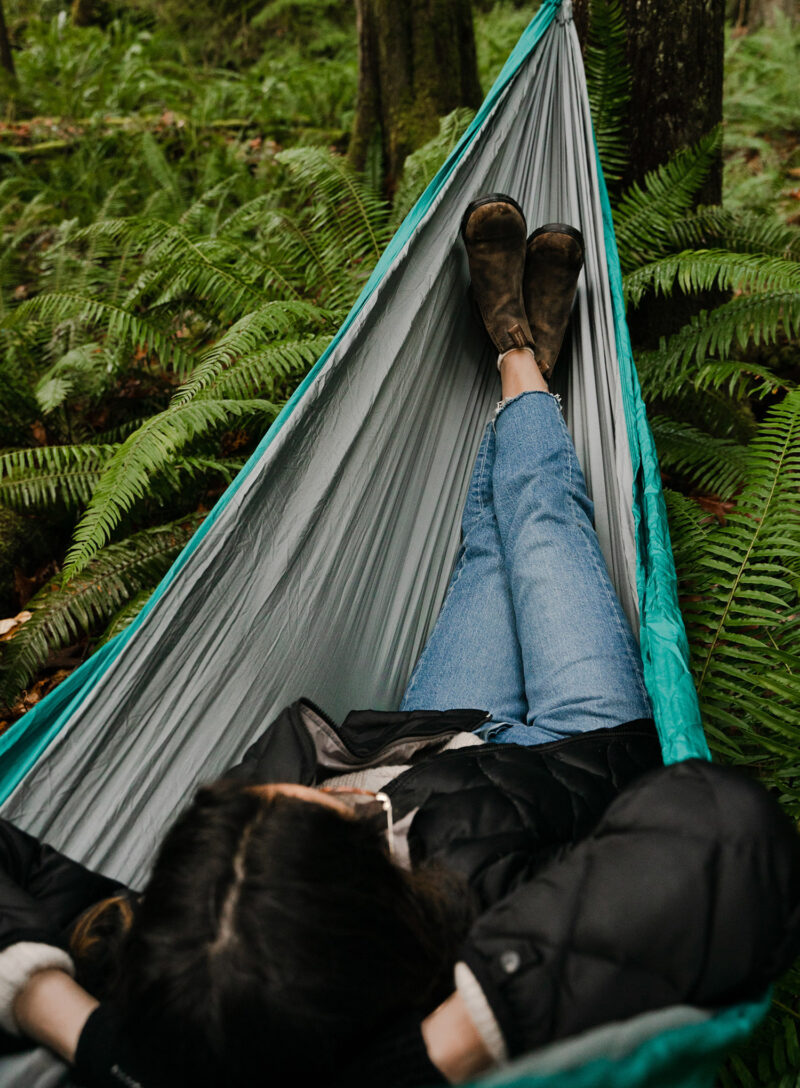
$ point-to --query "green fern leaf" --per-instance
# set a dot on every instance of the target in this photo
(740, 604)
(119, 323)
(608, 82)
(713, 465)
(645, 214)
(244, 337)
(40, 477)
(146, 453)
(698, 270)
(62, 614)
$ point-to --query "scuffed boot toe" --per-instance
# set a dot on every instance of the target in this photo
(553, 264)
(493, 229)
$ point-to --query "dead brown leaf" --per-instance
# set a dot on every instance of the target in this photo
(9, 627)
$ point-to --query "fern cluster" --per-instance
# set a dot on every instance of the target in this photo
(215, 318)
(725, 413)
(149, 334)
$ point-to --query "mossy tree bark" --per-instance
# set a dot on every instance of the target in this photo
(6, 58)
(752, 14)
(675, 52)
(416, 62)
(83, 12)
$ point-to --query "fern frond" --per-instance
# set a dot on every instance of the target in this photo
(146, 453)
(62, 614)
(120, 324)
(245, 336)
(698, 270)
(741, 603)
(688, 526)
(362, 216)
(266, 372)
(712, 465)
(737, 230)
(125, 617)
(645, 213)
(46, 475)
(747, 319)
(608, 81)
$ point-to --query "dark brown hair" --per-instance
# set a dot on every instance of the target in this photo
(277, 935)
(96, 943)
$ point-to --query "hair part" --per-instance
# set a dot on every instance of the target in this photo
(278, 934)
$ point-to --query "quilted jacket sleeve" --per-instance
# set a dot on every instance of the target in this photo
(41, 890)
(688, 890)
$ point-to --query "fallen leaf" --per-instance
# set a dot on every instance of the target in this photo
(9, 627)
(39, 432)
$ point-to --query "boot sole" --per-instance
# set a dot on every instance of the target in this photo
(559, 228)
(492, 198)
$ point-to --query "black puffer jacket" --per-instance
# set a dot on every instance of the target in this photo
(605, 883)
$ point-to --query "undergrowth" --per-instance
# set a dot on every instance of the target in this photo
(179, 237)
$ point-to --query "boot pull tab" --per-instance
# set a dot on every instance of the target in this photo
(518, 337)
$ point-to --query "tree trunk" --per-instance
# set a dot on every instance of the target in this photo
(6, 59)
(675, 52)
(416, 63)
(83, 13)
(746, 15)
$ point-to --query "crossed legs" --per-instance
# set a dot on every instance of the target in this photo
(531, 629)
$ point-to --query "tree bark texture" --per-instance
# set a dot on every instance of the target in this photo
(416, 63)
(751, 14)
(6, 58)
(675, 52)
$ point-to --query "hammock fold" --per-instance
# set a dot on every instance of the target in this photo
(321, 570)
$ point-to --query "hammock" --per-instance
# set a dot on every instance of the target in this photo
(321, 570)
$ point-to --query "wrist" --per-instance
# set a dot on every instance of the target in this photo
(19, 964)
(453, 1042)
(52, 1009)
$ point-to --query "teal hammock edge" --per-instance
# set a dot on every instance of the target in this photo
(663, 641)
(24, 742)
(683, 1057)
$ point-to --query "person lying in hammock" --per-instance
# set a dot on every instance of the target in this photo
(412, 898)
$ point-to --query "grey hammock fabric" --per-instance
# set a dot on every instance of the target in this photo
(322, 570)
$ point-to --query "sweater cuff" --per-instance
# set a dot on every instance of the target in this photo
(480, 1012)
(18, 964)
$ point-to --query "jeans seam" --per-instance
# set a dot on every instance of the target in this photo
(454, 580)
(611, 597)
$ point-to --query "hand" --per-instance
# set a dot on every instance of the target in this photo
(53, 1009)
(454, 1045)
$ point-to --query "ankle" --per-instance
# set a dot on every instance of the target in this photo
(519, 373)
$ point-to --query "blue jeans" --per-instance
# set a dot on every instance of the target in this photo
(531, 629)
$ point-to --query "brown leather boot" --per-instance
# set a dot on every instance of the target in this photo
(493, 229)
(553, 263)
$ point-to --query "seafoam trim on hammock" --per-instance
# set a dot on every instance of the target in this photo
(663, 642)
(27, 739)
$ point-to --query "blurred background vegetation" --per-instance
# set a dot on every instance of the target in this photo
(181, 231)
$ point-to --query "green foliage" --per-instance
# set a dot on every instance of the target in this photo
(646, 214)
(62, 614)
(210, 313)
(762, 113)
(420, 167)
(497, 30)
(608, 82)
(171, 271)
(741, 607)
